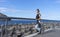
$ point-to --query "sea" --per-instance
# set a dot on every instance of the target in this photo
(14, 21)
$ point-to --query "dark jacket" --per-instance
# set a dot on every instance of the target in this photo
(37, 16)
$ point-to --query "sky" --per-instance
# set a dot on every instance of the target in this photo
(49, 9)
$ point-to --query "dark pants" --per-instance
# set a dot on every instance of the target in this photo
(37, 21)
(39, 25)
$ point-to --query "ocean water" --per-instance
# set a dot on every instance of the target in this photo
(18, 22)
(25, 21)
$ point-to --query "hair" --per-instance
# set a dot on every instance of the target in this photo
(38, 10)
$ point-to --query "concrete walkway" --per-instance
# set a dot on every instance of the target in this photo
(38, 32)
(53, 33)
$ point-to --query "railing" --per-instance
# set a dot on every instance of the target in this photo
(17, 29)
(20, 29)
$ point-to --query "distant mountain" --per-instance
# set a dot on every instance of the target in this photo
(2, 15)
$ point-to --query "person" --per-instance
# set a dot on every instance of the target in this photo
(38, 17)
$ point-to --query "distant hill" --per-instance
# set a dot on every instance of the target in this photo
(2, 15)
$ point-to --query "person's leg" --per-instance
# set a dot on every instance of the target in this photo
(40, 27)
(40, 31)
(37, 21)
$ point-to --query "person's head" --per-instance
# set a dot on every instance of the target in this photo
(38, 11)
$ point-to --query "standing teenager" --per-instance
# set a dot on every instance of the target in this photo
(38, 17)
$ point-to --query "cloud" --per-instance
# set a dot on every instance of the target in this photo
(16, 12)
(2, 9)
